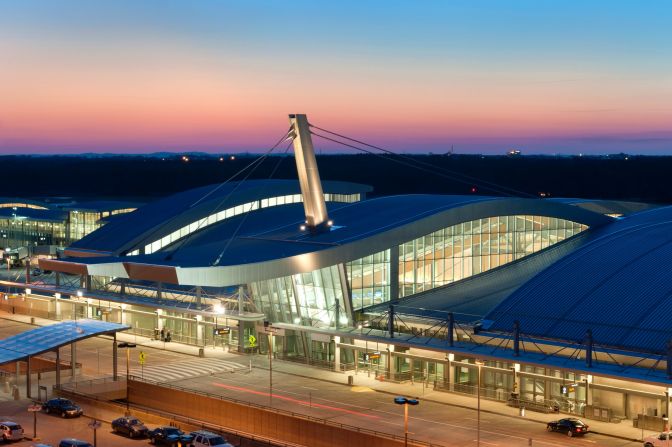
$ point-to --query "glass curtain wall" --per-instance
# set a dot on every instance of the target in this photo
(310, 298)
(82, 223)
(22, 232)
(470, 248)
(369, 279)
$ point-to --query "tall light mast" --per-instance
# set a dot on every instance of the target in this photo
(317, 219)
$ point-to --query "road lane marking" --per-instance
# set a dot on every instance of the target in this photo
(485, 442)
(291, 399)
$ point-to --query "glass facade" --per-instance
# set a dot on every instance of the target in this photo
(369, 279)
(16, 232)
(237, 210)
(470, 248)
(22, 205)
(310, 299)
(82, 223)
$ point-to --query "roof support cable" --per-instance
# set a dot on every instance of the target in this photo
(423, 169)
(611, 357)
(624, 367)
(395, 160)
(248, 166)
(654, 366)
(551, 354)
(251, 167)
(253, 163)
(499, 345)
(492, 186)
(245, 215)
(459, 327)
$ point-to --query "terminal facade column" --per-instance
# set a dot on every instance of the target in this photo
(199, 330)
(337, 353)
(390, 360)
(73, 359)
(115, 367)
(58, 367)
(28, 381)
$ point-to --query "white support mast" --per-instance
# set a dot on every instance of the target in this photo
(317, 218)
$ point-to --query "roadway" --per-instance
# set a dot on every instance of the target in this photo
(361, 406)
(437, 422)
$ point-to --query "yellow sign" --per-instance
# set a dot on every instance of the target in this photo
(142, 357)
(252, 340)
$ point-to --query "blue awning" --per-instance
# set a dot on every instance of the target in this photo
(48, 338)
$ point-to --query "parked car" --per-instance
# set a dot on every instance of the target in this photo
(660, 440)
(169, 436)
(63, 407)
(73, 443)
(570, 426)
(203, 438)
(11, 431)
(129, 426)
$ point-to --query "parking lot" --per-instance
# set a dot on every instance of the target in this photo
(51, 429)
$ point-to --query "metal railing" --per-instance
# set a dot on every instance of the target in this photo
(183, 419)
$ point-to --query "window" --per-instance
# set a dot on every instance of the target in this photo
(470, 248)
(235, 211)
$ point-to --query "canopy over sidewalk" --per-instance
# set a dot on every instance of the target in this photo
(48, 338)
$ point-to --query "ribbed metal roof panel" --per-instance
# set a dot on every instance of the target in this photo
(614, 285)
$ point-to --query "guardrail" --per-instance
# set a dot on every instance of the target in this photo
(288, 413)
(182, 419)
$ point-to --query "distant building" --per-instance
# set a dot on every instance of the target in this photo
(513, 153)
(31, 223)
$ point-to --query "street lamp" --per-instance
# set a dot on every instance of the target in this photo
(128, 347)
(400, 400)
(478, 412)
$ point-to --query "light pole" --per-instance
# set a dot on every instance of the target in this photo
(400, 400)
(128, 347)
(478, 412)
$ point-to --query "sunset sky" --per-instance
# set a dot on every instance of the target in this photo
(135, 76)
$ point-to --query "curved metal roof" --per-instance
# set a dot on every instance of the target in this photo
(621, 207)
(48, 338)
(161, 217)
(269, 243)
(618, 285)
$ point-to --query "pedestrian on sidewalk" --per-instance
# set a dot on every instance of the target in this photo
(163, 334)
(168, 337)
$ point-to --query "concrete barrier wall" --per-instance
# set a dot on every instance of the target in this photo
(251, 419)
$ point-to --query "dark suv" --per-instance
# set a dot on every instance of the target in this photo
(129, 426)
(63, 407)
(169, 436)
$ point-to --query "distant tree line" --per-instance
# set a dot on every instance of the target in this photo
(636, 178)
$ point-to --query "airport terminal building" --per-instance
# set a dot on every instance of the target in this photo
(542, 302)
